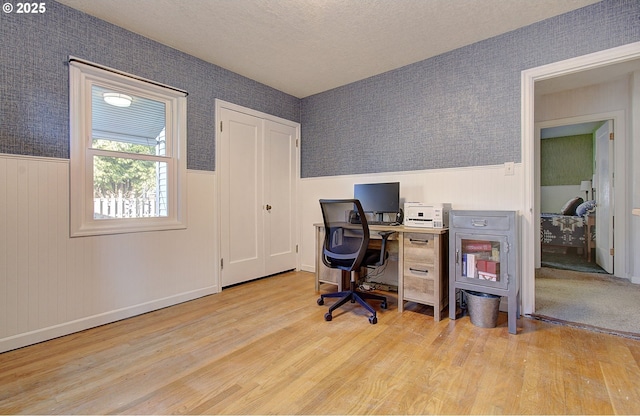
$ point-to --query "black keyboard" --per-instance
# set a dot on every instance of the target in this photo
(383, 223)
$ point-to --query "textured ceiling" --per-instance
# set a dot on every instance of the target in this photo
(304, 47)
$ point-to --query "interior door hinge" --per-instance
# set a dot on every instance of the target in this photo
(296, 142)
(611, 251)
(611, 136)
(220, 126)
(296, 248)
(221, 264)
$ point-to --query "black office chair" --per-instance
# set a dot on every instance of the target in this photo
(345, 247)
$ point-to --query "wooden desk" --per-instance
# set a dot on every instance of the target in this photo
(422, 265)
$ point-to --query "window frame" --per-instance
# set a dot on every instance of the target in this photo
(82, 77)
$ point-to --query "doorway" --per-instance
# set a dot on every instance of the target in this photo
(604, 63)
(576, 204)
(586, 293)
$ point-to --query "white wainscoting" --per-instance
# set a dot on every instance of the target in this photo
(53, 285)
(483, 188)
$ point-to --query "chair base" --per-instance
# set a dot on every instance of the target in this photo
(354, 296)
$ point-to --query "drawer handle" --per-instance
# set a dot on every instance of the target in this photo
(479, 223)
(419, 270)
(418, 241)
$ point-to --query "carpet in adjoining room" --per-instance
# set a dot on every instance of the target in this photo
(592, 299)
(569, 261)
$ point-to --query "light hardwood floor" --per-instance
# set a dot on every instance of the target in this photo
(264, 348)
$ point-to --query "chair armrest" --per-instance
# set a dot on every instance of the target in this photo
(383, 248)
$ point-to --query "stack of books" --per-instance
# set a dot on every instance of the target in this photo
(480, 260)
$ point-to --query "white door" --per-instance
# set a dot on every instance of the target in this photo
(604, 196)
(279, 197)
(241, 225)
(257, 160)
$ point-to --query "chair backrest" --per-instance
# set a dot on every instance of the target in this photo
(345, 241)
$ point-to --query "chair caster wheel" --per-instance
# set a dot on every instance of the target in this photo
(320, 301)
(384, 305)
(372, 320)
(327, 316)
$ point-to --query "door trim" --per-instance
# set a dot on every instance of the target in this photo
(219, 104)
(528, 78)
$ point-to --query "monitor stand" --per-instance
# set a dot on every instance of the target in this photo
(378, 219)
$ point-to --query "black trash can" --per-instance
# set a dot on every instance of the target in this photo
(483, 309)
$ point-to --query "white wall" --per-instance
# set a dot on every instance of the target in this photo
(486, 188)
(52, 285)
(553, 198)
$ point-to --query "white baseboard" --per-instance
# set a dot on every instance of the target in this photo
(44, 334)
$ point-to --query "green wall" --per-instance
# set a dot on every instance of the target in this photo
(566, 160)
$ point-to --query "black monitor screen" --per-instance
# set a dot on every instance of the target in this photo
(378, 197)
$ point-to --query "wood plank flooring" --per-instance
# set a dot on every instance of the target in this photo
(264, 348)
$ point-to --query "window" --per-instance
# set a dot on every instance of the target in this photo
(128, 153)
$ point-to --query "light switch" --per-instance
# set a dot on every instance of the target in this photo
(509, 168)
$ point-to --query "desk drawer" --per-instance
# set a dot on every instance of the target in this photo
(419, 282)
(418, 248)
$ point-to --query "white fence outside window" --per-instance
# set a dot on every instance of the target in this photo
(120, 207)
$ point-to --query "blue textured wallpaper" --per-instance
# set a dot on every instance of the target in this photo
(34, 81)
(457, 109)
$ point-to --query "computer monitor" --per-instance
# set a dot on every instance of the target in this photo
(378, 198)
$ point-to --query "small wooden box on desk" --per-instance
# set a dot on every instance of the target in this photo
(422, 265)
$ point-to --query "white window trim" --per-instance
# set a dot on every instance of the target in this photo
(81, 77)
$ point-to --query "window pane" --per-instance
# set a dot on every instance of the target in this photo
(136, 125)
(129, 188)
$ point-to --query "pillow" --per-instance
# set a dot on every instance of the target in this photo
(585, 208)
(570, 207)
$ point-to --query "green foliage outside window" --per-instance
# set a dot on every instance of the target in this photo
(121, 176)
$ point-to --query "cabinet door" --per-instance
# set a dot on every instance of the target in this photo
(481, 259)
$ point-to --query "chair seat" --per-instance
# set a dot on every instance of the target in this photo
(371, 257)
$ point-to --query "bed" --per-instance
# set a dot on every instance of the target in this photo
(568, 228)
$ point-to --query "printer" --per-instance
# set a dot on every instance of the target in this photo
(425, 215)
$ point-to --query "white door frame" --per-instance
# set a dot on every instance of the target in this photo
(219, 104)
(528, 142)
